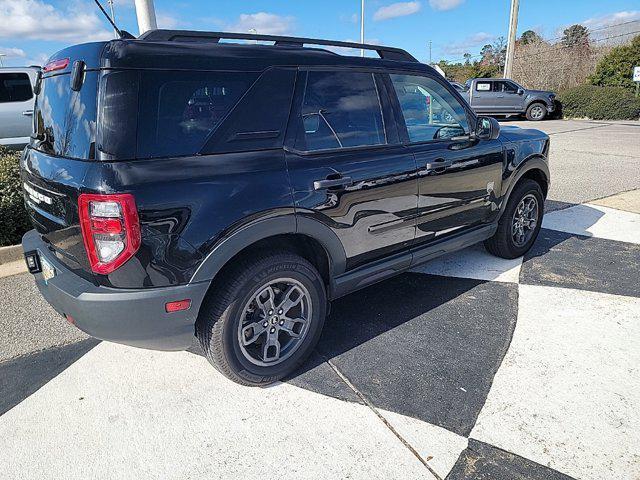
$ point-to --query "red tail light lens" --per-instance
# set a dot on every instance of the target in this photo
(56, 65)
(110, 229)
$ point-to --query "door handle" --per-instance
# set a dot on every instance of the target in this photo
(27, 113)
(439, 164)
(332, 183)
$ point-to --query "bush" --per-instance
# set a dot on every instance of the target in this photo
(600, 103)
(616, 68)
(14, 221)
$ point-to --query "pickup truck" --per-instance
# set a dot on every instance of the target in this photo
(16, 105)
(501, 96)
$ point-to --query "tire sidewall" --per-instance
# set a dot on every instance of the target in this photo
(231, 348)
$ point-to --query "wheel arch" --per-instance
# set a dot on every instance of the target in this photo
(301, 235)
(534, 168)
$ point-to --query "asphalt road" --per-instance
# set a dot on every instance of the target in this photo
(590, 159)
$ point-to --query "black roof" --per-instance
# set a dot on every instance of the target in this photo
(194, 50)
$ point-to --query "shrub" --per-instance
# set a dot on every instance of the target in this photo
(600, 103)
(616, 68)
(14, 221)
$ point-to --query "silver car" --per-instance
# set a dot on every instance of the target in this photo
(16, 105)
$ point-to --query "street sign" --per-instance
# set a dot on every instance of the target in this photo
(636, 74)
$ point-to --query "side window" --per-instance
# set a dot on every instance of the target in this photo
(178, 110)
(340, 109)
(483, 86)
(430, 111)
(504, 87)
(15, 87)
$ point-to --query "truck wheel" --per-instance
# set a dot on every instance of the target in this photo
(263, 318)
(520, 223)
(536, 112)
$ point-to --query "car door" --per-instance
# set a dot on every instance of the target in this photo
(507, 97)
(16, 105)
(483, 98)
(459, 176)
(347, 168)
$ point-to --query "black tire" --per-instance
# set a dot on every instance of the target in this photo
(219, 319)
(502, 244)
(536, 111)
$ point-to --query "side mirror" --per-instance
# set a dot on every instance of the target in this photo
(520, 91)
(487, 128)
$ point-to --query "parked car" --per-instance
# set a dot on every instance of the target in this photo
(16, 105)
(500, 96)
(181, 188)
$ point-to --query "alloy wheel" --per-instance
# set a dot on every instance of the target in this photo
(275, 322)
(525, 220)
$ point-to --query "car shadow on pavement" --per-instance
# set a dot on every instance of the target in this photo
(420, 345)
(23, 376)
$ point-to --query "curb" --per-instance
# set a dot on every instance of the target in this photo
(10, 254)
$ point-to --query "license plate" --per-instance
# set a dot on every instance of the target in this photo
(48, 271)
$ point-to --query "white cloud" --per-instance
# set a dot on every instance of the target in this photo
(471, 42)
(10, 52)
(264, 23)
(168, 21)
(611, 19)
(400, 9)
(444, 4)
(35, 19)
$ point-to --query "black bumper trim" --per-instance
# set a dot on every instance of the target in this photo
(134, 317)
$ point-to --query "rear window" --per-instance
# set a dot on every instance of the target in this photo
(65, 120)
(340, 109)
(15, 87)
(179, 110)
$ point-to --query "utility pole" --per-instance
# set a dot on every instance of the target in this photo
(113, 18)
(362, 26)
(511, 41)
(146, 14)
(430, 62)
(2, 55)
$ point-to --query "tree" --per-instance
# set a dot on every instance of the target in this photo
(616, 68)
(499, 51)
(575, 35)
(529, 37)
(487, 54)
(467, 58)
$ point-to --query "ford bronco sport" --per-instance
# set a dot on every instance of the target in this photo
(185, 187)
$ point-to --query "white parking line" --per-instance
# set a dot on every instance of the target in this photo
(568, 390)
(476, 263)
(596, 221)
(120, 410)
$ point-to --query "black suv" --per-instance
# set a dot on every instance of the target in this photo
(182, 186)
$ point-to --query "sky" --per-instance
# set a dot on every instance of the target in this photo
(32, 30)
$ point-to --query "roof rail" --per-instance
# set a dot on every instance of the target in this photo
(387, 53)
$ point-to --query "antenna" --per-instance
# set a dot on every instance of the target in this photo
(121, 33)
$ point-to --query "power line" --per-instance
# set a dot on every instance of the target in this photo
(605, 27)
(560, 47)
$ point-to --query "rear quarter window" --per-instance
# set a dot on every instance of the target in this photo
(483, 86)
(178, 111)
(15, 87)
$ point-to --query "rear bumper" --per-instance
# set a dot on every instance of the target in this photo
(15, 143)
(130, 316)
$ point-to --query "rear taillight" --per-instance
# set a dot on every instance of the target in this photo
(110, 229)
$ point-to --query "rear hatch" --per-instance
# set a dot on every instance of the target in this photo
(61, 156)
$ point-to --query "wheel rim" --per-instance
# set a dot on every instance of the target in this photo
(537, 112)
(525, 220)
(275, 321)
